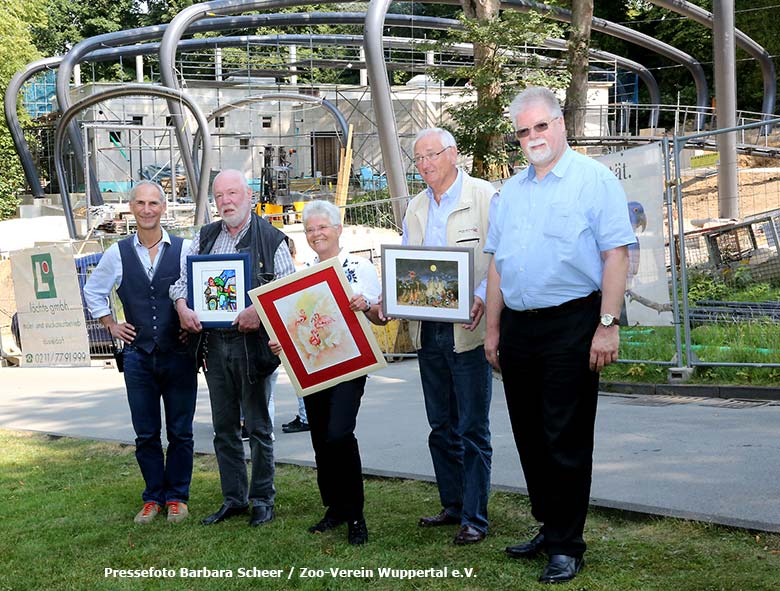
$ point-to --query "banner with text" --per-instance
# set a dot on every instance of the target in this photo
(641, 171)
(51, 313)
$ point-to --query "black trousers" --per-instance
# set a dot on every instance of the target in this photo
(551, 396)
(332, 415)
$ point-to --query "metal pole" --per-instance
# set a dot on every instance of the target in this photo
(726, 106)
(672, 253)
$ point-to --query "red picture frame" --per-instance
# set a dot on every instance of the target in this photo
(323, 341)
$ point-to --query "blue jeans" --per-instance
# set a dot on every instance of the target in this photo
(171, 376)
(457, 388)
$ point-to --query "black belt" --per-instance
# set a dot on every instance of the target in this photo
(565, 307)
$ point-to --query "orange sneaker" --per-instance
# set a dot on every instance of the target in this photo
(148, 513)
(177, 511)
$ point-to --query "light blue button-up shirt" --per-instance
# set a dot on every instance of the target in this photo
(108, 273)
(547, 236)
(436, 225)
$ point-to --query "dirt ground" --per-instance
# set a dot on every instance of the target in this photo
(759, 189)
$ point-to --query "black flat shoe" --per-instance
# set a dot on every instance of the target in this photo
(561, 569)
(529, 549)
(357, 532)
(224, 512)
(327, 523)
(442, 518)
(261, 514)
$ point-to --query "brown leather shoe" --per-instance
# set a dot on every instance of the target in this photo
(442, 518)
(468, 534)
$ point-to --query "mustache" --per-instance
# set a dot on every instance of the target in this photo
(538, 142)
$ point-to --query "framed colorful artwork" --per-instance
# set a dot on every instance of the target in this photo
(323, 341)
(427, 283)
(217, 287)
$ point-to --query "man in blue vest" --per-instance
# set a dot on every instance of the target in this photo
(237, 360)
(156, 363)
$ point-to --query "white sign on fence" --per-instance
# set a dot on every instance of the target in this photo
(51, 314)
(641, 171)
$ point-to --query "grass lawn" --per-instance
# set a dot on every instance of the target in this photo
(67, 508)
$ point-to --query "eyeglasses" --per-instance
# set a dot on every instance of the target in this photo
(540, 127)
(320, 228)
(429, 157)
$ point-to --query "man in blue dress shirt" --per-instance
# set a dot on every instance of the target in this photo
(555, 291)
(456, 379)
(156, 363)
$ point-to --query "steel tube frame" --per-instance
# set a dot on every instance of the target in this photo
(768, 72)
(201, 207)
(270, 96)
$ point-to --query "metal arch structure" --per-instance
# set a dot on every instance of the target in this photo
(615, 30)
(278, 96)
(756, 51)
(278, 19)
(201, 207)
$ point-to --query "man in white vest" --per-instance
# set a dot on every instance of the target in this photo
(456, 378)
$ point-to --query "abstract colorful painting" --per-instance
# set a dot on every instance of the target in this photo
(217, 287)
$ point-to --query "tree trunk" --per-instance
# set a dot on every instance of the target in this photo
(577, 62)
(487, 95)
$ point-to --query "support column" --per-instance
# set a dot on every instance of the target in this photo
(724, 47)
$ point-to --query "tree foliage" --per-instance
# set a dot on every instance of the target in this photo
(480, 124)
(16, 50)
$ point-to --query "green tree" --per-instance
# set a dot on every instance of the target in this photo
(16, 20)
(577, 64)
(498, 73)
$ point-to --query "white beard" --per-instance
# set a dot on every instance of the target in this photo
(538, 156)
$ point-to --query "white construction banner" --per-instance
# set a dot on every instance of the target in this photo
(51, 313)
(641, 171)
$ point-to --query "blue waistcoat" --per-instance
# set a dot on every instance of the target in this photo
(147, 305)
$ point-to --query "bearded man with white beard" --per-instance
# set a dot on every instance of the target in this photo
(236, 360)
(555, 290)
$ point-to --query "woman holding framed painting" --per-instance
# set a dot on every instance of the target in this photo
(332, 412)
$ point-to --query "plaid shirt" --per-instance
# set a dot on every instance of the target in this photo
(226, 244)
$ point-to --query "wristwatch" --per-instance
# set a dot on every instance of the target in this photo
(608, 320)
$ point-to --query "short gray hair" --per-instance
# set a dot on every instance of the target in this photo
(447, 140)
(140, 184)
(324, 208)
(535, 95)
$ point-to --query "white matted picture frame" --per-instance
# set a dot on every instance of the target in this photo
(427, 283)
(323, 341)
(217, 286)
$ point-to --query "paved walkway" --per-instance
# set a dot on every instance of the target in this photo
(697, 458)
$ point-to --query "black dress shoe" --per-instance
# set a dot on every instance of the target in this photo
(468, 534)
(442, 518)
(261, 514)
(327, 523)
(357, 532)
(529, 549)
(295, 426)
(223, 513)
(561, 569)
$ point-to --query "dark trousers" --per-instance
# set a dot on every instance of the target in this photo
(235, 383)
(457, 388)
(172, 377)
(332, 415)
(551, 396)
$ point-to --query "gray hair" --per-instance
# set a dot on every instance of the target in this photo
(447, 140)
(140, 184)
(535, 95)
(234, 172)
(324, 208)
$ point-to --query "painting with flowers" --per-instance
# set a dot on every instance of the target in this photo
(323, 341)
